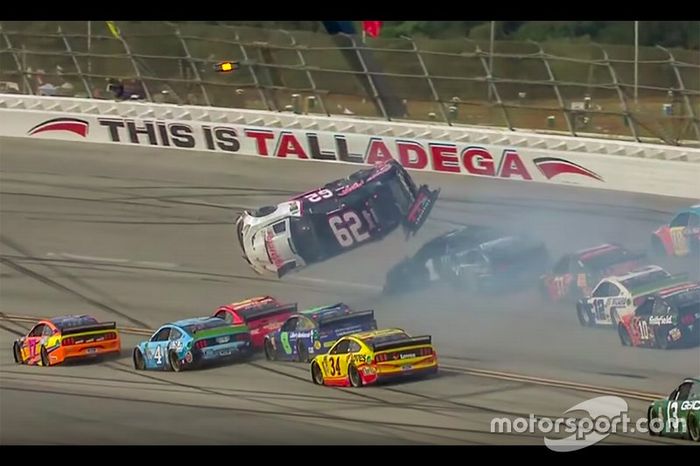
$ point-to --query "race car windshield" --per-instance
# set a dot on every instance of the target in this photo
(205, 325)
(73, 321)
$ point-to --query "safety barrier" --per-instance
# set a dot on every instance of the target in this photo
(509, 155)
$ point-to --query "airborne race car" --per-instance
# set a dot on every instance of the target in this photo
(329, 221)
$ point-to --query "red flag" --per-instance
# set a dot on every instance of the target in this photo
(372, 28)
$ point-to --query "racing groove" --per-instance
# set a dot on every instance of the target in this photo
(142, 237)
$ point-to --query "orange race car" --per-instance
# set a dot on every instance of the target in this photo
(53, 341)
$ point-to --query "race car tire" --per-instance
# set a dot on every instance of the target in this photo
(17, 353)
(657, 247)
(615, 318)
(269, 351)
(624, 336)
(316, 374)
(45, 361)
(584, 316)
(139, 361)
(693, 423)
(651, 415)
(661, 341)
(174, 362)
(302, 352)
(354, 376)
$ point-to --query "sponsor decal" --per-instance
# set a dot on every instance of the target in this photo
(275, 258)
(553, 166)
(660, 320)
(694, 405)
(72, 125)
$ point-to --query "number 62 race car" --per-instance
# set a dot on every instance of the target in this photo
(336, 218)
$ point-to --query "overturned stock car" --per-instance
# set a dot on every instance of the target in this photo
(334, 219)
(472, 259)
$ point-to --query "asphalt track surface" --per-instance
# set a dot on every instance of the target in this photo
(144, 237)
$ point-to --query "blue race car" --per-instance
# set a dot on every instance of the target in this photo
(314, 331)
(188, 343)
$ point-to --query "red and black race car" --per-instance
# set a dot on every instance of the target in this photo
(668, 318)
(575, 274)
(262, 315)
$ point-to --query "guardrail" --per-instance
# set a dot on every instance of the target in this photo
(579, 89)
(503, 155)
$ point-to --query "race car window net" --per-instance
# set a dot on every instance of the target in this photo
(162, 335)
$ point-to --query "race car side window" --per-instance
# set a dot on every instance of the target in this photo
(225, 315)
(694, 221)
(645, 308)
(613, 290)
(279, 227)
(694, 391)
(341, 348)
(354, 347)
(562, 266)
(661, 307)
(683, 391)
(681, 220)
(305, 324)
(290, 325)
(47, 332)
(162, 334)
(602, 290)
(37, 331)
(175, 334)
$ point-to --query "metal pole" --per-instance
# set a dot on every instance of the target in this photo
(493, 37)
(89, 46)
(636, 61)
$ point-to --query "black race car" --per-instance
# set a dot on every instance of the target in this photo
(336, 218)
(473, 258)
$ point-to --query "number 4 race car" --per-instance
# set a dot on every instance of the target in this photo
(53, 341)
(191, 342)
(668, 318)
(679, 414)
(367, 357)
(334, 219)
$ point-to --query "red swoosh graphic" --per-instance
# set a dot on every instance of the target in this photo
(78, 128)
(551, 167)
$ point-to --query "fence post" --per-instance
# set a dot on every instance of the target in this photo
(297, 48)
(684, 93)
(197, 76)
(430, 81)
(256, 81)
(554, 81)
(127, 49)
(620, 93)
(75, 62)
(368, 75)
(492, 86)
(22, 71)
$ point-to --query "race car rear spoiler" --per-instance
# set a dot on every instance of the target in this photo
(351, 315)
(89, 328)
(414, 341)
(252, 314)
(420, 209)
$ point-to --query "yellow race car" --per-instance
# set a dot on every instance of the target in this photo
(367, 357)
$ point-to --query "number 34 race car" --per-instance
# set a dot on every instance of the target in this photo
(328, 221)
(367, 357)
(56, 340)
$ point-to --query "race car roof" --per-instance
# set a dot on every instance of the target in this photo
(75, 320)
(693, 209)
(324, 311)
(204, 322)
(605, 255)
(381, 336)
(681, 288)
(258, 301)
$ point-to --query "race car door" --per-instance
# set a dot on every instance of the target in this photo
(157, 349)
(677, 408)
(32, 344)
(285, 340)
(338, 358)
(677, 230)
(606, 299)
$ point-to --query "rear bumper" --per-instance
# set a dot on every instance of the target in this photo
(384, 375)
(223, 352)
(85, 350)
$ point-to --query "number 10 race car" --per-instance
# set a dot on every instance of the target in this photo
(328, 221)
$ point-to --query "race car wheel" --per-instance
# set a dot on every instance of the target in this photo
(615, 319)
(269, 351)
(174, 362)
(355, 379)
(45, 357)
(17, 353)
(693, 427)
(624, 336)
(302, 353)
(651, 415)
(139, 362)
(584, 316)
(316, 374)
